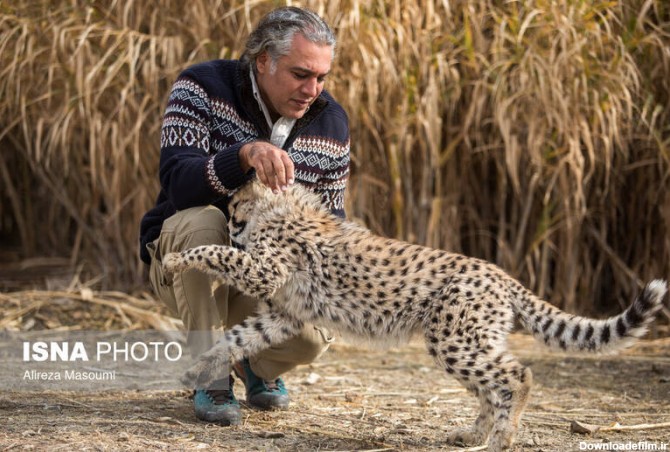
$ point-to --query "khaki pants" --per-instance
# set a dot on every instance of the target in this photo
(206, 306)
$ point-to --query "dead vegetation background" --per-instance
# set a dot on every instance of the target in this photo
(531, 133)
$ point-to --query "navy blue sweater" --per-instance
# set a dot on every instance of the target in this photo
(211, 113)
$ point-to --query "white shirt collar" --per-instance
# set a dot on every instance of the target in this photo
(280, 129)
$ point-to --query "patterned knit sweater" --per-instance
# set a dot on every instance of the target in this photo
(211, 113)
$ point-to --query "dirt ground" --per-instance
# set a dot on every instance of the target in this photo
(354, 399)
(350, 399)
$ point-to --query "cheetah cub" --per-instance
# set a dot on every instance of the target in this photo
(308, 266)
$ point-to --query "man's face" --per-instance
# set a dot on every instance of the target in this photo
(297, 79)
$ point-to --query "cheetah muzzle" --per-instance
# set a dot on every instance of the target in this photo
(308, 266)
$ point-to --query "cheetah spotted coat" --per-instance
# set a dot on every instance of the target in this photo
(309, 266)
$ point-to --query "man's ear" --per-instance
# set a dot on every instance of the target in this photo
(263, 62)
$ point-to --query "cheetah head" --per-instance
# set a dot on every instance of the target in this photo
(254, 198)
(242, 210)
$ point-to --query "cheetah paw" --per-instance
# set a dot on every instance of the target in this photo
(173, 262)
(210, 366)
(465, 438)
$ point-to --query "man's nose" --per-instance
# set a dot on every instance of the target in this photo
(311, 87)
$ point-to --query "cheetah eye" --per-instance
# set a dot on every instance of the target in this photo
(232, 207)
(237, 225)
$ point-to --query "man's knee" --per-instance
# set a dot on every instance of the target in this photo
(311, 344)
(302, 349)
(197, 226)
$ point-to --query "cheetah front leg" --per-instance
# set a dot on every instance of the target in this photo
(253, 335)
(250, 273)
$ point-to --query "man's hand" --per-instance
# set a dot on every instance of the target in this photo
(273, 166)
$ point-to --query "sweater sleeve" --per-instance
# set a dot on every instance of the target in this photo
(190, 173)
(333, 181)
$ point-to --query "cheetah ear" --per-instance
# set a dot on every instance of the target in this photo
(258, 189)
(255, 187)
(252, 182)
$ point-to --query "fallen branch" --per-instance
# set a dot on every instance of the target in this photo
(584, 428)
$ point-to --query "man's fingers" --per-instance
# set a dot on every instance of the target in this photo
(273, 166)
(288, 168)
(280, 164)
(260, 174)
(282, 170)
(268, 178)
(277, 179)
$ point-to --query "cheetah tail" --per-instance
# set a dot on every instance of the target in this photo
(558, 329)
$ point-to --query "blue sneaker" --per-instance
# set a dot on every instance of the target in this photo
(261, 394)
(217, 405)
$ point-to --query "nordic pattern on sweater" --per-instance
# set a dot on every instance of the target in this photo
(210, 115)
(321, 162)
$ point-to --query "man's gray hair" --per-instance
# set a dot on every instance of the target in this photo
(275, 32)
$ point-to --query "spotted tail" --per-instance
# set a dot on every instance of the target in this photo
(558, 329)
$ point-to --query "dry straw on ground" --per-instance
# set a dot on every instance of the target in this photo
(530, 133)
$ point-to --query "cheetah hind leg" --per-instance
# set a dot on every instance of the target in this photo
(479, 432)
(502, 401)
(509, 399)
(503, 392)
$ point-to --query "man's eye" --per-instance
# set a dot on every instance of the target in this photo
(301, 76)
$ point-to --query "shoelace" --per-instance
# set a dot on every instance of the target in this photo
(220, 396)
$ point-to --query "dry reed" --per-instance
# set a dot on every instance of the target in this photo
(530, 133)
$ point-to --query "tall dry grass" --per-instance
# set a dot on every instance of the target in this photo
(534, 134)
